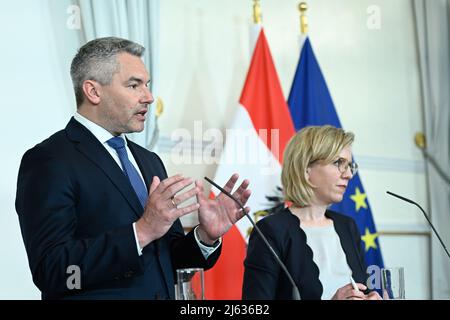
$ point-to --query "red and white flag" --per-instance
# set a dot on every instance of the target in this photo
(254, 147)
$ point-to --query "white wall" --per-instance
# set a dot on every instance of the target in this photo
(204, 56)
(36, 101)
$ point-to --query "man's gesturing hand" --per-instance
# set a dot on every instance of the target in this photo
(216, 216)
(161, 210)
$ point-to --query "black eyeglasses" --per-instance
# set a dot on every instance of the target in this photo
(342, 165)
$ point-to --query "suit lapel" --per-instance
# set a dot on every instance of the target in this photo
(348, 244)
(89, 146)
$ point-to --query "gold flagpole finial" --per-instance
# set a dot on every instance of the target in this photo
(159, 107)
(302, 7)
(256, 12)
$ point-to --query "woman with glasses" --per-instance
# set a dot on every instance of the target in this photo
(320, 248)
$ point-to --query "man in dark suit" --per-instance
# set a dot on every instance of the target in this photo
(98, 214)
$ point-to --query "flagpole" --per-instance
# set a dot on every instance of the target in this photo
(255, 27)
(257, 15)
(302, 7)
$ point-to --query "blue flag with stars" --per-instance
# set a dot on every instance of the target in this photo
(310, 103)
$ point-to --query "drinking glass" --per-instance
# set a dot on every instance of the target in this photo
(190, 284)
(393, 283)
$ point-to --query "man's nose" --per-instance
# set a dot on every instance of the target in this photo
(147, 97)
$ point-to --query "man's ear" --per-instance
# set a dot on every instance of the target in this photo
(92, 90)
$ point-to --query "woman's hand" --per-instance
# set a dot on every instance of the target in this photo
(347, 292)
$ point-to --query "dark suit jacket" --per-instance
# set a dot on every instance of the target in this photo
(76, 207)
(263, 277)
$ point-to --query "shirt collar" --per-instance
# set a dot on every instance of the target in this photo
(99, 132)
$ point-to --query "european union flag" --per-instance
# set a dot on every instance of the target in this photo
(310, 103)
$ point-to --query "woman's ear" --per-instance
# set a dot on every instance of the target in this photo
(307, 173)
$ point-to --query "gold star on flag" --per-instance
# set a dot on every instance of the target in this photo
(369, 239)
(359, 199)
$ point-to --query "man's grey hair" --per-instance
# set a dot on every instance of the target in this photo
(97, 60)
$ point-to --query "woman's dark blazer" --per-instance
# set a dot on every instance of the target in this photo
(264, 278)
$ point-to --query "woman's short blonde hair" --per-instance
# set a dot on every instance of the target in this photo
(310, 144)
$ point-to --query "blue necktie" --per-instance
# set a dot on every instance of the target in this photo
(130, 171)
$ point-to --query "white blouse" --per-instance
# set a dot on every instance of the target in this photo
(329, 256)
